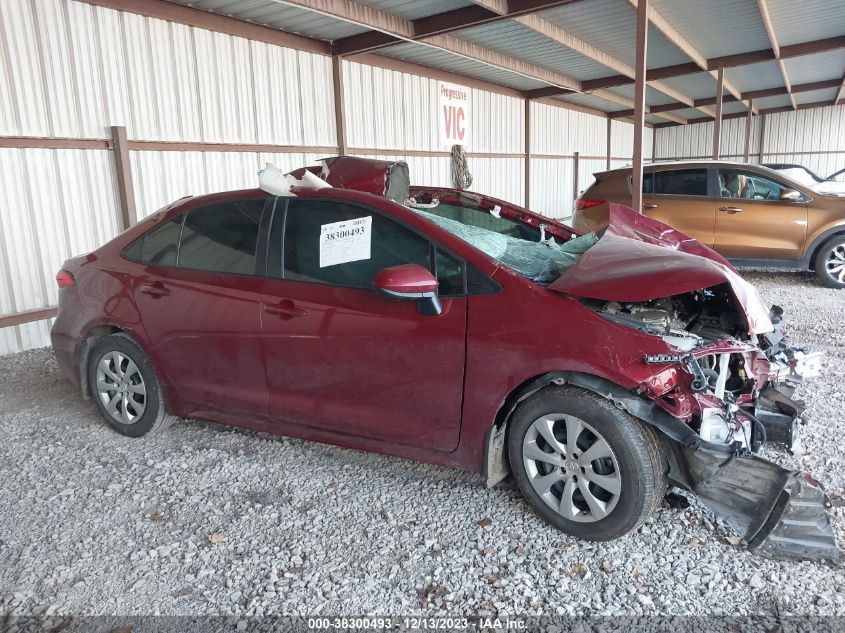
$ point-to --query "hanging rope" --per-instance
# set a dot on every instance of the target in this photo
(461, 178)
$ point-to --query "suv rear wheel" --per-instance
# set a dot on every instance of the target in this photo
(587, 467)
(830, 263)
(122, 382)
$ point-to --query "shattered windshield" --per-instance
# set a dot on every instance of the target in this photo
(542, 261)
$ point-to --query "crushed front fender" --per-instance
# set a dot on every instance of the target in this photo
(780, 513)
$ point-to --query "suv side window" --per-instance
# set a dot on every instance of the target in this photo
(221, 237)
(676, 182)
(735, 183)
(390, 245)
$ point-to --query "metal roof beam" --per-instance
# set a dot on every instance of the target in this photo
(629, 113)
(405, 30)
(668, 31)
(558, 35)
(652, 74)
(739, 115)
(801, 106)
(781, 90)
(786, 52)
(438, 24)
(549, 91)
(770, 32)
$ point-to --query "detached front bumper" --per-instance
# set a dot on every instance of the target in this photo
(779, 513)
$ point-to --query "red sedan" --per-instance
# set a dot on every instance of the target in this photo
(455, 329)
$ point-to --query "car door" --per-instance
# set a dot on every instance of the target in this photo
(753, 222)
(199, 300)
(679, 197)
(341, 357)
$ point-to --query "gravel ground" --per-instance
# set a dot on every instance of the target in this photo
(204, 519)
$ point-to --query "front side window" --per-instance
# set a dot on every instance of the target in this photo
(677, 182)
(734, 183)
(221, 237)
(311, 252)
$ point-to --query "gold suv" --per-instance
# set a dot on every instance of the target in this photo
(750, 214)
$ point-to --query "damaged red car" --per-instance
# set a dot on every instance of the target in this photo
(340, 304)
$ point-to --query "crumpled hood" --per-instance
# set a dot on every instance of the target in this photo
(640, 259)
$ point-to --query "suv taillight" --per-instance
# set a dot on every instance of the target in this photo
(64, 279)
(582, 203)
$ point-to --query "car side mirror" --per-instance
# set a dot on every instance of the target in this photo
(790, 194)
(410, 282)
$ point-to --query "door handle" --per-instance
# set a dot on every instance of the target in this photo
(648, 205)
(730, 210)
(285, 309)
(155, 290)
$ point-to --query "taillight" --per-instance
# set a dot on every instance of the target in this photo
(64, 279)
(583, 203)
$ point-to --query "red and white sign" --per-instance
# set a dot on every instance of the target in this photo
(454, 114)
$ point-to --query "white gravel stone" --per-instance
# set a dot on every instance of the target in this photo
(97, 523)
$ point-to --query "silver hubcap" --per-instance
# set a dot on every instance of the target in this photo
(835, 263)
(121, 388)
(572, 467)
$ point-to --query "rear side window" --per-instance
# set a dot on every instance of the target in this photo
(159, 246)
(216, 238)
(678, 182)
(221, 237)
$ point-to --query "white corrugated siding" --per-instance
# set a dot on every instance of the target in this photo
(54, 204)
(556, 134)
(551, 187)
(162, 177)
(560, 131)
(813, 130)
(72, 69)
(389, 109)
(794, 137)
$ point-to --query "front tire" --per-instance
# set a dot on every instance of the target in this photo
(587, 467)
(124, 386)
(830, 263)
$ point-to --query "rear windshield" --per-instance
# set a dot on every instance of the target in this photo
(539, 258)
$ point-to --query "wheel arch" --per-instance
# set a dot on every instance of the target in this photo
(97, 332)
(91, 337)
(496, 465)
(819, 242)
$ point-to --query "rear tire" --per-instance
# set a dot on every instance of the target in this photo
(123, 384)
(602, 488)
(830, 263)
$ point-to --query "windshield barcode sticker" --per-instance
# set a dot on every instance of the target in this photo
(346, 241)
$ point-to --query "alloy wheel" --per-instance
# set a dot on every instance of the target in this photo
(835, 263)
(121, 387)
(572, 467)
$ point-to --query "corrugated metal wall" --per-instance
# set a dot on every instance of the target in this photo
(70, 69)
(389, 109)
(814, 138)
(75, 69)
(556, 134)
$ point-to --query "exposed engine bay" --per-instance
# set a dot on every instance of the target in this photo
(734, 390)
(741, 384)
